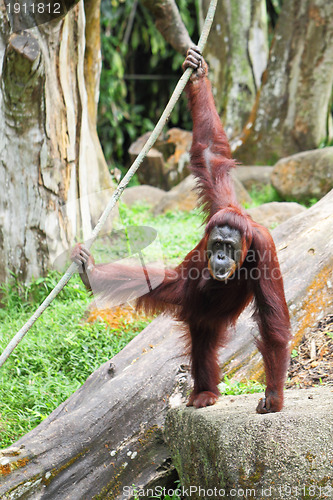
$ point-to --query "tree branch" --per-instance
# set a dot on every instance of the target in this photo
(169, 23)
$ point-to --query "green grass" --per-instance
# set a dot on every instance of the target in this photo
(267, 193)
(229, 388)
(54, 359)
(178, 232)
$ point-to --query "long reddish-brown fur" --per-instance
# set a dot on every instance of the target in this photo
(209, 307)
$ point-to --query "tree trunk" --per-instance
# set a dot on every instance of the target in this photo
(50, 156)
(237, 51)
(169, 23)
(109, 434)
(292, 108)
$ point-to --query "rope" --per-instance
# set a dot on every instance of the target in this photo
(116, 195)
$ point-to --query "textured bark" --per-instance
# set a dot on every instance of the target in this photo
(100, 177)
(292, 108)
(108, 434)
(92, 55)
(49, 151)
(237, 51)
(169, 23)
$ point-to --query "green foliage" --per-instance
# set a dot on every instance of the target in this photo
(56, 356)
(267, 193)
(274, 8)
(325, 143)
(130, 106)
(310, 202)
(168, 497)
(228, 388)
(16, 296)
(306, 202)
(277, 5)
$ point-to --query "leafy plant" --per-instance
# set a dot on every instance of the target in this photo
(139, 67)
(229, 388)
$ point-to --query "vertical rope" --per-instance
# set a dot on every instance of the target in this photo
(116, 195)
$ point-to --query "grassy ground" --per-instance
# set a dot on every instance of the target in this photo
(54, 359)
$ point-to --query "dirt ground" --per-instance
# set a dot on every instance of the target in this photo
(312, 362)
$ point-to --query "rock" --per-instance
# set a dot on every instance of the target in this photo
(166, 163)
(304, 175)
(177, 163)
(230, 448)
(181, 197)
(242, 195)
(151, 169)
(184, 197)
(147, 194)
(272, 214)
(254, 176)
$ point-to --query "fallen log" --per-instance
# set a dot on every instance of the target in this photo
(108, 434)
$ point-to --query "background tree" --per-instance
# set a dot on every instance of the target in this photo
(139, 66)
(294, 103)
(237, 50)
(169, 22)
(51, 163)
(284, 103)
(50, 154)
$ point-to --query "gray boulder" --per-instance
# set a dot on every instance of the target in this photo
(147, 194)
(254, 176)
(184, 197)
(304, 175)
(229, 450)
(166, 164)
(272, 214)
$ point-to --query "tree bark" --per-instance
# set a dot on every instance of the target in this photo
(169, 23)
(50, 156)
(293, 105)
(109, 434)
(237, 51)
